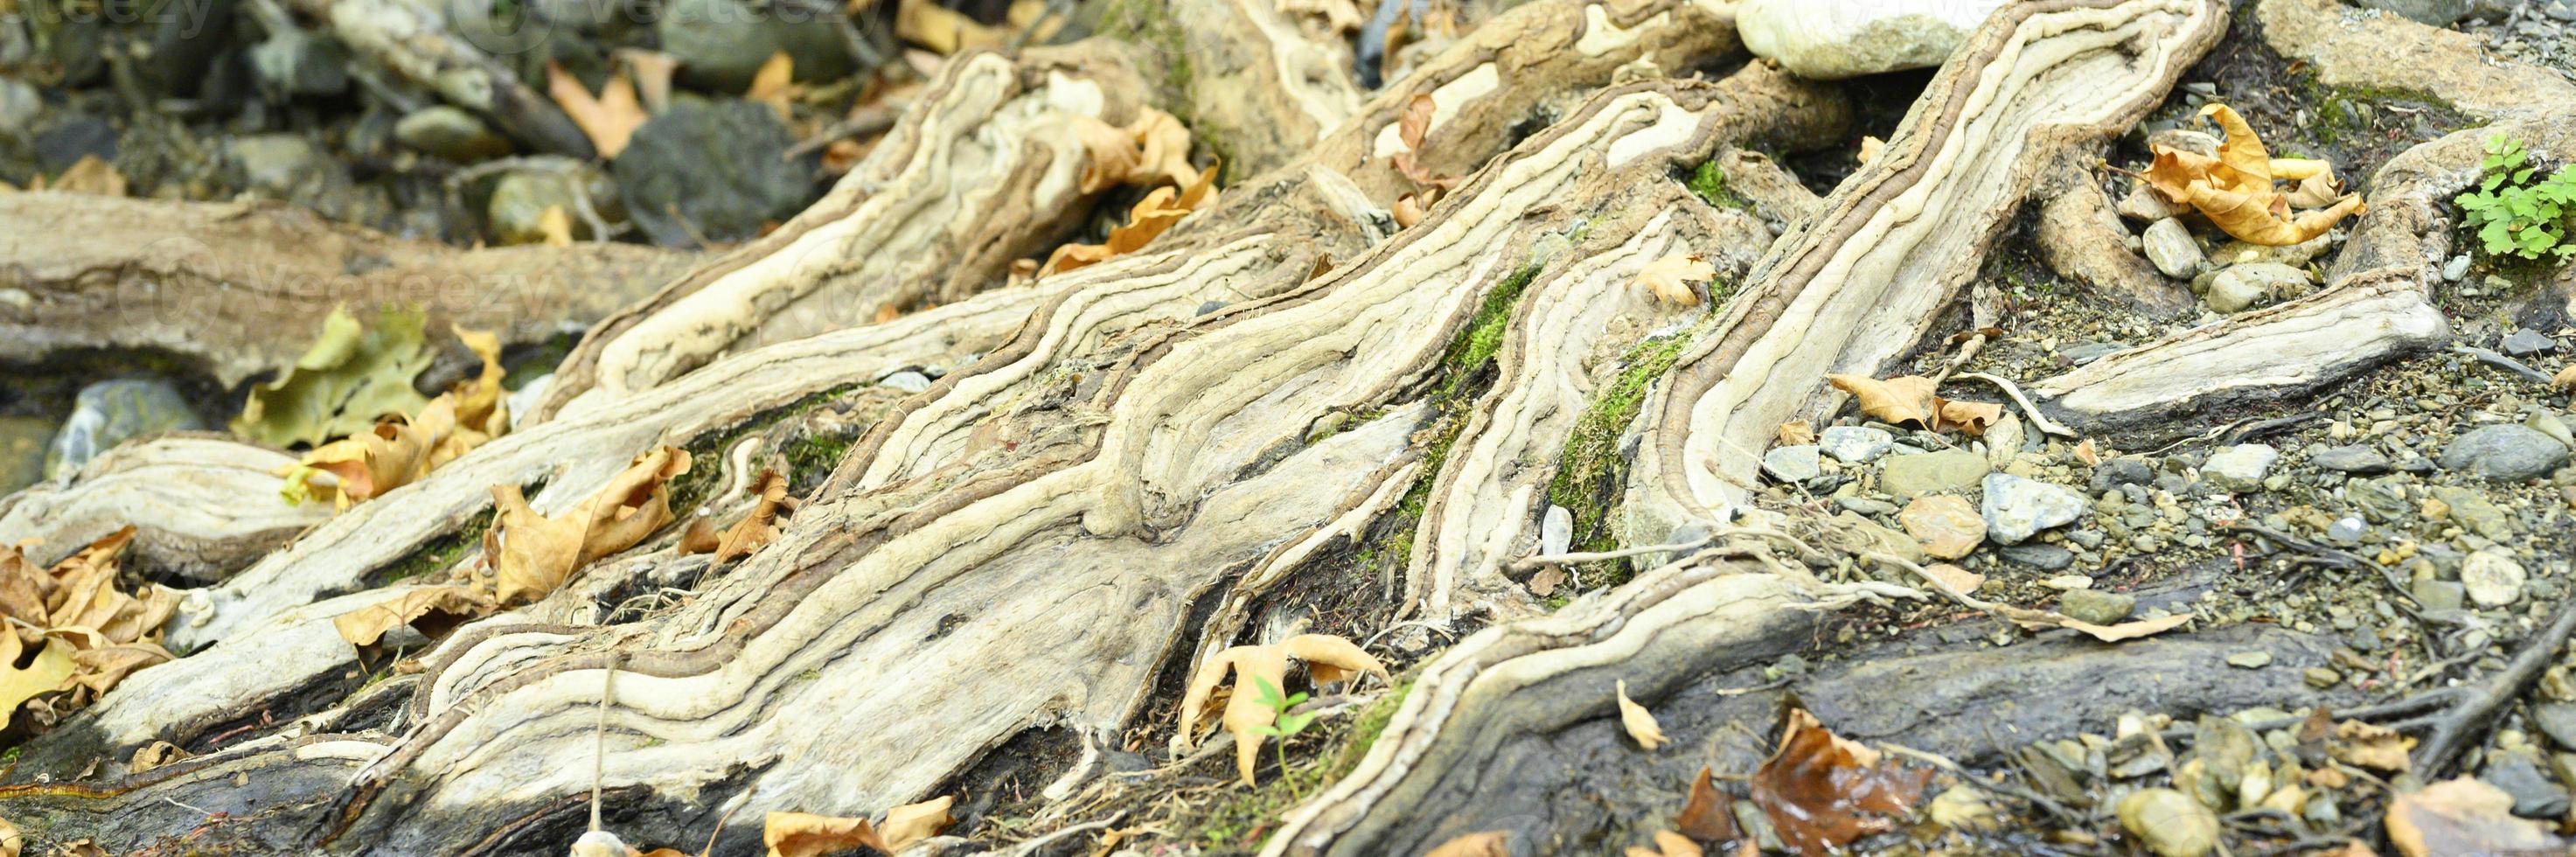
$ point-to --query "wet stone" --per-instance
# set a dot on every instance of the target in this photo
(1854, 444)
(1908, 476)
(2508, 453)
(2097, 606)
(112, 412)
(1793, 463)
(2041, 556)
(2016, 508)
(2351, 459)
(2528, 341)
(2240, 468)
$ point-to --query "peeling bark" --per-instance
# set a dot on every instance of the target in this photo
(241, 288)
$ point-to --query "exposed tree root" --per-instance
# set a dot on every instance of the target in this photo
(241, 288)
(195, 504)
(2082, 240)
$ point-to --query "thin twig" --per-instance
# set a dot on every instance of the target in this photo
(599, 747)
(2468, 720)
(2037, 420)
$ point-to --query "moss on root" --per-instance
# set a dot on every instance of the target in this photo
(1709, 182)
(1241, 822)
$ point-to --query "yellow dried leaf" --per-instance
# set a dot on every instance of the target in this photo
(1669, 278)
(2085, 452)
(770, 84)
(2234, 189)
(1901, 399)
(2365, 745)
(398, 451)
(798, 834)
(2464, 816)
(2123, 631)
(2249, 215)
(943, 30)
(913, 822)
(91, 176)
(761, 526)
(1165, 147)
(1970, 417)
(1639, 722)
(366, 625)
(1491, 843)
(2565, 380)
(556, 225)
(1797, 433)
(610, 119)
(1328, 659)
(531, 554)
(51, 665)
(1149, 219)
(1869, 148)
(1112, 154)
(1407, 211)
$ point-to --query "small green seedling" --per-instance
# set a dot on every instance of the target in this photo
(1282, 725)
(2515, 216)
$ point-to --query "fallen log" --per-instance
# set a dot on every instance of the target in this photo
(236, 289)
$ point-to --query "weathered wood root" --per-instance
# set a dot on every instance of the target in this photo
(198, 505)
(2081, 239)
(1860, 283)
(240, 288)
(909, 226)
(1185, 464)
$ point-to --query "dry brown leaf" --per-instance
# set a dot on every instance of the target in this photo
(610, 119)
(1545, 582)
(1407, 211)
(1149, 219)
(399, 451)
(44, 672)
(2464, 816)
(89, 175)
(1912, 398)
(799, 834)
(531, 554)
(2565, 380)
(90, 633)
(1113, 154)
(1669, 278)
(556, 225)
(2235, 191)
(1708, 815)
(1491, 843)
(2315, 191)
(1869, 148)
(366, 625)
(155, 755)
(652, 76)
(1667, 844)
(2364, 745)
(1822, 791)
(1414, 124)
(2086, 452)
(10, 839)
(1797, 433)
(1328, 659)
(943, 30)
(772, 84)
(699, 536)
(913, 822)
(761, 526)
(1639, 722)
(1164, 144)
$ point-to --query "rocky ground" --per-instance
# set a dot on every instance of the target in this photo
(2394, 551)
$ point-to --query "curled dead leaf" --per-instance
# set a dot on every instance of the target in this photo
(1913, 398)
(398, 451)
(771, 85)
(799, 834)
(1797, 433)
(1870, 146)
(1639, 722)
(913, 822)
(2234, 189)
(531, 554)
(1822, 792)
(1328, 659)
(1708, 815)
(89, 632)
(1149, 219)
(1669, 278)
(761, 526)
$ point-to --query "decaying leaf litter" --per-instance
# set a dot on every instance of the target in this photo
(2387, 527)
